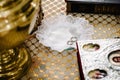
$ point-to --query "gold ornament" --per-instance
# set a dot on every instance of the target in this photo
(15, 19)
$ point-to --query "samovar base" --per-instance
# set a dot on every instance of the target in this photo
(14, 63)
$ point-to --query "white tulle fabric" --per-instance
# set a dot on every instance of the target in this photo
(56, 32)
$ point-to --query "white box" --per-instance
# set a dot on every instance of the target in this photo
(99, 59)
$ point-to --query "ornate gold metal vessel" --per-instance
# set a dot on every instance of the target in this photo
(15, 19)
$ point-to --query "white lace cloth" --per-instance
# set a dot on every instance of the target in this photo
(57, 32)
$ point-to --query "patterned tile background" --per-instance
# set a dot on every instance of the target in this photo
(52, 8)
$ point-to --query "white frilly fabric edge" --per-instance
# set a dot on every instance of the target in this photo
(56, 32)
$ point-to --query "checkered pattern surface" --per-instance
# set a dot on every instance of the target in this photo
(49, 64)
(51, 8)
(53, 65)
(105, 26)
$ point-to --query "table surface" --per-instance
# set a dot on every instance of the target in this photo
(49, 64)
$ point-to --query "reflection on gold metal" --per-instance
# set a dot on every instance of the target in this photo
(14, 63)
(15, 19)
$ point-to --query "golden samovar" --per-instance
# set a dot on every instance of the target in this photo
(15, 20)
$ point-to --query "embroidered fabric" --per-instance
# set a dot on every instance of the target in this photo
(57, 32)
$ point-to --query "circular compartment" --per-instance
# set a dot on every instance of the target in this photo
(97, 74)
(114, 57)
(91, 47)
